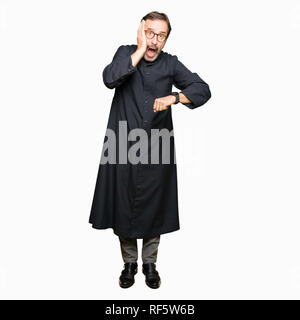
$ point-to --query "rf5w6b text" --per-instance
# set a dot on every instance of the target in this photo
(172, 309)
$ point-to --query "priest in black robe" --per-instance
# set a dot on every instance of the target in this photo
(136, 187)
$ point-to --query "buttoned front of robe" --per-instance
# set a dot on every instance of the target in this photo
(140, 200)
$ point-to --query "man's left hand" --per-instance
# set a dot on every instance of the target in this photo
(163, 103)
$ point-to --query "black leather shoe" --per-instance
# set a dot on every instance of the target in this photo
(152, 276)
(126, 279)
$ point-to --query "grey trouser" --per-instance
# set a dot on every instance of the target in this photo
(130, 251)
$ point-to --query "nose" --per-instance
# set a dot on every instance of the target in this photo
(154, 39)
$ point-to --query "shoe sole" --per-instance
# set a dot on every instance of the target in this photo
(152, 286)
(125, 287)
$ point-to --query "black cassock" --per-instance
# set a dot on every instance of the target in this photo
(140, 200)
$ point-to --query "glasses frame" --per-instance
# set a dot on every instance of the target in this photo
(155, 34)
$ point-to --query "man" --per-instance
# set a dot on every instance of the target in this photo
(138, 199)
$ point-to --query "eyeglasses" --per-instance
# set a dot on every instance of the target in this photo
(160, 36)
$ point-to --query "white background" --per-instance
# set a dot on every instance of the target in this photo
(238, 183)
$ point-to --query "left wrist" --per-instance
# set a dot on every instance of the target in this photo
(176, 96)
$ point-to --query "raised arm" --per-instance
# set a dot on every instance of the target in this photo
(124, 63)
(119, 69)
(191, 85)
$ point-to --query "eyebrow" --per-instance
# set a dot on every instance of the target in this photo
(159, 32)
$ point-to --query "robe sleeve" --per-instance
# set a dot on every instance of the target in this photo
(191, 85)
(119, 69)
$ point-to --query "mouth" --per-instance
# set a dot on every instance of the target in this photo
(151, 52)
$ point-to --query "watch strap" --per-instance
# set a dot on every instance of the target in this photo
(176, 94)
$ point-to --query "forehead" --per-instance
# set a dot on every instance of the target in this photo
(157, 25)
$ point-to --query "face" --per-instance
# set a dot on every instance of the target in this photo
(157, 26)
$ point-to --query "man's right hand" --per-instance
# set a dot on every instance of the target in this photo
(141, 38)
(141, 45)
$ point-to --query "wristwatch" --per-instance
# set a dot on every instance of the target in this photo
(176, 94)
